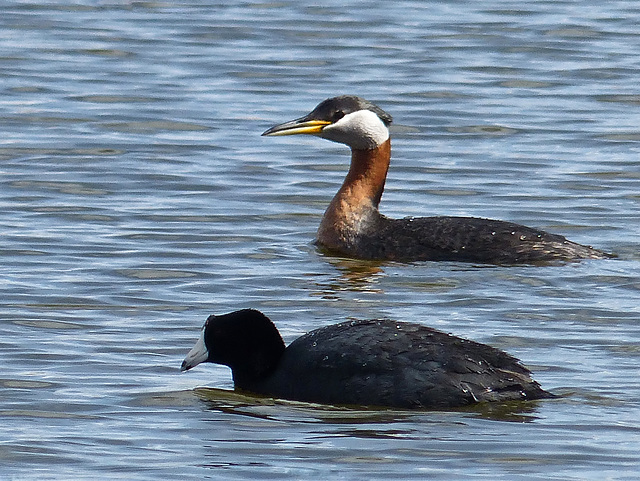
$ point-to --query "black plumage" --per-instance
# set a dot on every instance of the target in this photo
(371, 362)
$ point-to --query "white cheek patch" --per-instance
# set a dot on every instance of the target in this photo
(359, 130)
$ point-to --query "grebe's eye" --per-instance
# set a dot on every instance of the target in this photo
(337, 115)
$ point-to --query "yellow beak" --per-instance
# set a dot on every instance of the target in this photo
(298, 126)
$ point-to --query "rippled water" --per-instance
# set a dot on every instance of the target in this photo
(138, 197)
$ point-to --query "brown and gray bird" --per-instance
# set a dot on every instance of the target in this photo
(353, 226)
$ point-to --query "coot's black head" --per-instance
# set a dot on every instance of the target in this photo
(246, 341)
(346, 119)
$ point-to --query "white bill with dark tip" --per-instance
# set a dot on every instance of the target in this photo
(199, 353)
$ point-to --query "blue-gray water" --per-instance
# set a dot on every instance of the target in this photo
(137, 197)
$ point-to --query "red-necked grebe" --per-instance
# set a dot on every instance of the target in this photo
(354, 227)
(374, 363)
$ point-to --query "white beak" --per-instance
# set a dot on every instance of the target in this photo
(199, 353)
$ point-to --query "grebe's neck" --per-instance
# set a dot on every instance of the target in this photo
(355, 207)
(367, 175)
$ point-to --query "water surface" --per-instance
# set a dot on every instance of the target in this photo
(138, 197)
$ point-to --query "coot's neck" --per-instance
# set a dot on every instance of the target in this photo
(254, 368)
(355, 206)
(247, 341)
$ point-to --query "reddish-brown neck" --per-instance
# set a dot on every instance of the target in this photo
(367, 175)
(357, 200)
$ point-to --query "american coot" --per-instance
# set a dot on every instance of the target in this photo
(353, 226)
(374, 363)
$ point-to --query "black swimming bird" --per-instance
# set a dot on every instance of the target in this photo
(353, 226)
(367, 363)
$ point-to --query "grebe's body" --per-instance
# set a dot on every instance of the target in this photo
(354, 227)
(374, 362)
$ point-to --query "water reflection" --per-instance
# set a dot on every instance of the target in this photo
(353, 275)
(247, 404)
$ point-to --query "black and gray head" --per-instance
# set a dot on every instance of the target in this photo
(347, 119)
